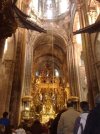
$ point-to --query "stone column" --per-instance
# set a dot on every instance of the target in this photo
(9, 68)
(2, 45)
(28, 64)
(96, 46)
(15, 100)
(73, 79)
(6, 76)
(88, 55)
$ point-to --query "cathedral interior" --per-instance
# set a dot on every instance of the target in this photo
(49, 53)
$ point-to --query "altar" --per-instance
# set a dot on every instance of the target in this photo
(47, 112)
(48, 96)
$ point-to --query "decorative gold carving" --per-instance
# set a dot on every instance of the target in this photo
(48, 96)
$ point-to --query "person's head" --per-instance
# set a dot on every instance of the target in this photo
(5, 114)
(97, 99)
(70, 103)
(36, 121)
(84, 106)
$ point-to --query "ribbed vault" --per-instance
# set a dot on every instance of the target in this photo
(50, 49)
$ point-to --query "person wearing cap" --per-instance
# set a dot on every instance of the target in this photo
(93, 120)
(67, 119)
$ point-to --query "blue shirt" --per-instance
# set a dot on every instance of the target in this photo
(5, 121)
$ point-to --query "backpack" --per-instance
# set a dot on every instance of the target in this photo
(78, 125)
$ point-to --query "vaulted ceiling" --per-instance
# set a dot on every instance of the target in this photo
(50, 48)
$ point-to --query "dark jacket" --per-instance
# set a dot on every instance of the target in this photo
(54, 125)
(36, 128)
(93, 122)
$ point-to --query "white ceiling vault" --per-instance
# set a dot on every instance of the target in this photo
(49, 9)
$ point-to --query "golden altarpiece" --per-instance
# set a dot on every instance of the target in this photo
(48, 96)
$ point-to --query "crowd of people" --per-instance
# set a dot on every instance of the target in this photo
(69, 121)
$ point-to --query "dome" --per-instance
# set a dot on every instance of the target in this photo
(49, 9)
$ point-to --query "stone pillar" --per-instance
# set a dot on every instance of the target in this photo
(9, 67)
(88, 55)
(28, 64)
(72, 72)
(15, 100)
(2, 45)
(6, 76)
(96, 45)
